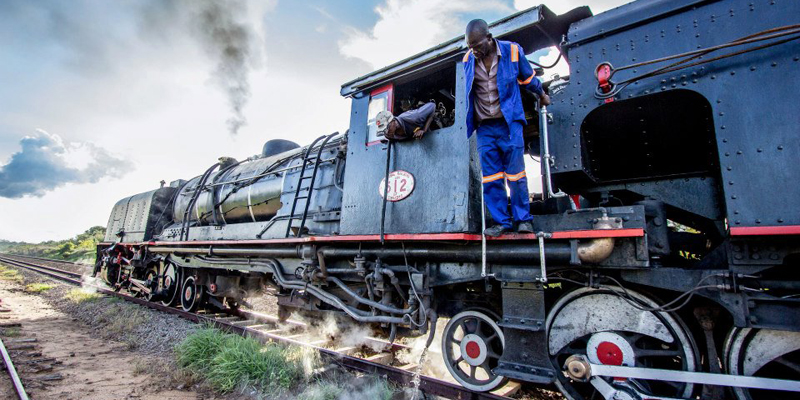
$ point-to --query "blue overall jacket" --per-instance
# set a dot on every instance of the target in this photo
(511, 74)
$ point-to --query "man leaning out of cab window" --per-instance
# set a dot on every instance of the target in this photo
(412, 123)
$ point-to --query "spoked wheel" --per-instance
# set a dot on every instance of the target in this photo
(170, 284)
(762, 352)
(606, 329)
(190, 294)
(472, 345)
(111, 274)
(151, 281)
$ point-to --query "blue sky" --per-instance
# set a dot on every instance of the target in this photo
(118, 95)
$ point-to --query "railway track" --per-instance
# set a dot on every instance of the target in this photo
(266, 328)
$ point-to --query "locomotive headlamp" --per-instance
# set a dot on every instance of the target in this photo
(382, 121)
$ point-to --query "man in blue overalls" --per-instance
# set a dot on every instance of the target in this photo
(495, 70)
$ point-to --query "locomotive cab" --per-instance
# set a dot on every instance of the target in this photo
(442, 168)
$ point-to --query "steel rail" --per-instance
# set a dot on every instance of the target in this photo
(12, 372)
(400, 376)
(62, 275)
(48, 259)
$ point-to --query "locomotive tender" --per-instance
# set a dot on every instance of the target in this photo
(667, 230)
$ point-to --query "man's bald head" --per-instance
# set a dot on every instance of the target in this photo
(478, 38)
(478, 27)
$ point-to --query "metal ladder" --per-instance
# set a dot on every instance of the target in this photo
(193, 201)
(313, 177)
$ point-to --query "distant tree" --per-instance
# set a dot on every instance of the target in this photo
(66, 249)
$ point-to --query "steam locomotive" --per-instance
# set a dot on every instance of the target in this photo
(666, 230)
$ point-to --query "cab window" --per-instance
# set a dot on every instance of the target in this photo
(380, 99)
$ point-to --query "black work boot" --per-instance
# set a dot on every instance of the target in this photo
(495, 231)
(525, 227)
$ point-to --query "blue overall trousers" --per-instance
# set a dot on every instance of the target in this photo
(501, 150)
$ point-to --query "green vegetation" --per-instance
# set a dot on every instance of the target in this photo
(38, 287)
(227, 361)
(10, 274)
(123, 319)
(79, 296)
(81, 247)
(10, 332)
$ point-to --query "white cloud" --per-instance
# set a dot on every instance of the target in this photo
(409, 27)
(45, 162)
(560, 69)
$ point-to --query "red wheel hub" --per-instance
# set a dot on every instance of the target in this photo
(473, 350)
(609, 353)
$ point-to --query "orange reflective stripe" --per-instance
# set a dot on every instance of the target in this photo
(492, 178)
(466, 56)
(527, 81)
(514, 53)
(515, 177)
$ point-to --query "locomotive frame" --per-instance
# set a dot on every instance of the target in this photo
(673, 247)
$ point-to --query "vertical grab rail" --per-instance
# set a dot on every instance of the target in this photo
(547, 159)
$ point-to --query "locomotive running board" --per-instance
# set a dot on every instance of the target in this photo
(579, 368)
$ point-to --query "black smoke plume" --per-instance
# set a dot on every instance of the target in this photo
(230, 42)
(42, 166)
(222, 30)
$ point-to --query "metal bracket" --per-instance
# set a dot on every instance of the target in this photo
(525, 324)
(542, 263)
(524, 372)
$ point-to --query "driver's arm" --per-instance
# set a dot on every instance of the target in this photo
(526, 77)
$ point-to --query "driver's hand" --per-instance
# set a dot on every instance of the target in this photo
(544, 99)
(418, 134)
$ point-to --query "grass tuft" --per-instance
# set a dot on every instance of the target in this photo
(10, 332)
(322, 391)
(38, 287)
(10, 274)
(78, 296)
(123, 320)
(229, 361)
(199, 348)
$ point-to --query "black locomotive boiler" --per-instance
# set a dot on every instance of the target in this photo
(667, 230)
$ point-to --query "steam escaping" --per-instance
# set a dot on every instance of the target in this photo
(228, 40)
(345, 332)
(90, 284)
(47, 162)
(433, 364)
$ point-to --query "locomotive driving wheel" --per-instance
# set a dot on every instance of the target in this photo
(765, 353)
(472, 345)
(151, 281)
(111, 274)
(169, 284)
(607, 329)
(191, 294)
